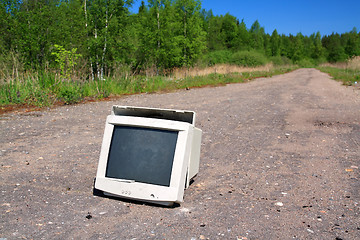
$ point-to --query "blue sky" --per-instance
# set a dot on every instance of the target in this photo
(290, 16)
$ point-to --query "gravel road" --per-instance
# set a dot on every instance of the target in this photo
(280, 159)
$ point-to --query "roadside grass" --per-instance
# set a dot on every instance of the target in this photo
(346, 72)
(345, 75)
(46, 89)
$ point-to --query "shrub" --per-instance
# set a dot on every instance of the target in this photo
(320, 60)
(305, 63)
(69, 93)
(217, 57)
(280, 60)
(248, 59)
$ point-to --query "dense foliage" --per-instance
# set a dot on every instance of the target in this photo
(98, 38)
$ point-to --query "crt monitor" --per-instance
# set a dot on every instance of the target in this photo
(148, 154)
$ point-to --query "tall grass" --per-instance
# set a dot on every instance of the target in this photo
(345, 75)
(46, 89)
(347, 72)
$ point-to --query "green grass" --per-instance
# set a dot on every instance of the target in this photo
(346, 76)
(42, 90)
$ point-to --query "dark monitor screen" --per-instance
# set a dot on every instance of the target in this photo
(142, 154)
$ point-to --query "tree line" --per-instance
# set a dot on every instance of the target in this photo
(100, 37)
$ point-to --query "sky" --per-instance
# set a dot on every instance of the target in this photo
(290, 16)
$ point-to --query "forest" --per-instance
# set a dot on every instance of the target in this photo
(91, 40)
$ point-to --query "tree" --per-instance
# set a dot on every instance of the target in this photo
(193, 39)
(34, 42)
(107, 27)
(298, 53)
(335, 51)
(317, 51)
(153, 30)
(229, 31)
(8, 12)
(66, 60)
(214, 38)
(206, 16)
(173, 34)
(242, 37)
(275, 43)
(257, 33)
(352, 47)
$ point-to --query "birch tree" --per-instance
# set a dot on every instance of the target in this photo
(193, 36)
(105, 19)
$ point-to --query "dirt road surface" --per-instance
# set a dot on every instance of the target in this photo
(280, 159)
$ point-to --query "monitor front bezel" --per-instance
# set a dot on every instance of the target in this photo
(144, 191)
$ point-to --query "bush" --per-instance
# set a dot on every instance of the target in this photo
(217, 57)
(248, 59)
(320, 60)
(69, 93)
(280, 60)
(305, 63)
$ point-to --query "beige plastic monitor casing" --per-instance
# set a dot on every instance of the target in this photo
(185, 162)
